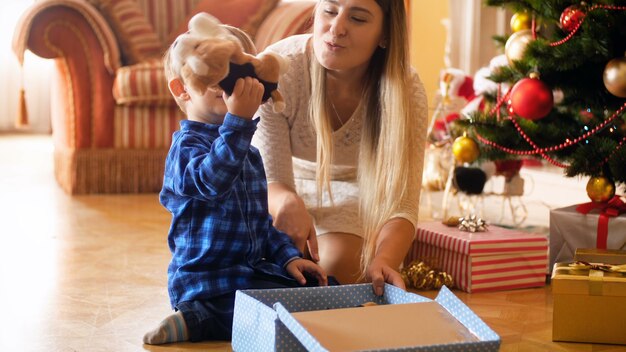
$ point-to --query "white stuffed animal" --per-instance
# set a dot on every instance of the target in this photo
(209, 55)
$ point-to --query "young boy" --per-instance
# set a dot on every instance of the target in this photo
(221, 236)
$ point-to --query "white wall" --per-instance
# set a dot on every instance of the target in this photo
(453, 33)
(472, 25)
(36, 74)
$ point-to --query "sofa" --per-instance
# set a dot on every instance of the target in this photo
(112, 114)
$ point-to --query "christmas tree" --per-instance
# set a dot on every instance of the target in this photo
(562, 95)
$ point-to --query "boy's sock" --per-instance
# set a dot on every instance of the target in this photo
(171, 329)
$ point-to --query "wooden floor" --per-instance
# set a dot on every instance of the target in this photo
(88, 273)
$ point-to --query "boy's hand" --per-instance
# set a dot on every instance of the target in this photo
(297, 267)
(246, 97)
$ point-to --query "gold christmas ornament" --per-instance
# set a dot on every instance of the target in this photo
(516, 45)
(420, 276)
(521, 21)
(465, 149)
(600, 189)
(615, 77)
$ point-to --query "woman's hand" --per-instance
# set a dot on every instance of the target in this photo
(379, 273)
(394, 241)
(291, 216)
(297, 267)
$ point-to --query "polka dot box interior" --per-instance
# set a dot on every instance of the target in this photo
(272, 320)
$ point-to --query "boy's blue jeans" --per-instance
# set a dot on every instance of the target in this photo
(212, 319)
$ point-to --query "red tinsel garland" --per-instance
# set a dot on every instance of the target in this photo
(567, 143)
(573, 32)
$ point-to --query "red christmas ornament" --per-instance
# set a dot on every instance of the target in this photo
(571, 17)
(531, 99)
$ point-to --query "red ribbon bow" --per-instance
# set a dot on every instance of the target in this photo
(608, 210)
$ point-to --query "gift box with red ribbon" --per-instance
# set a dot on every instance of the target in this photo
(587, 225)
(589, 303)
(495, 259)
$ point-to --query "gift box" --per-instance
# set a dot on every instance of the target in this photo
(589, 304)
(605, 256)
(496, 259)
(589, 225)
(334, 318)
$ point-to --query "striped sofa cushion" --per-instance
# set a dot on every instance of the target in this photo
(137, 37)
(142, 84)
(145, 127)
(288, 18)
(167, 15)
(244, 14)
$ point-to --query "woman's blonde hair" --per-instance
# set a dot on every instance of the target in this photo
(388, 153)
(170, 71)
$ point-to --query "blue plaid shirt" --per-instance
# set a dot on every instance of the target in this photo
(221, 231)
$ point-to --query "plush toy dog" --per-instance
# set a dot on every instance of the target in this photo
(209, 55)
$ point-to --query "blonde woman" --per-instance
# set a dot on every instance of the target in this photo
(344, 159)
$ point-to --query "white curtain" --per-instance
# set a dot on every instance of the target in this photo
(36, 75)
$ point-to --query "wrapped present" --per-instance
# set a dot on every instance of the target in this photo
(588, 225)
(605, 256)
(494, 259)
(339, 318)
(589, 303)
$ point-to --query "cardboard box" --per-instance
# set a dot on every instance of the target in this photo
(601, 256)
(330, 319)
(589, 305)
(497, 259)
(570, 230)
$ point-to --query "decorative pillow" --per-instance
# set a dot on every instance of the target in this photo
(246, 15)
(142, 84)
(287, 19)
(138, 40)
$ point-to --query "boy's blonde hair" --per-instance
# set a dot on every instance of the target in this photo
(171, 71)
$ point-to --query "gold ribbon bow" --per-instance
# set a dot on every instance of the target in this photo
(596, 273)
(582, 265)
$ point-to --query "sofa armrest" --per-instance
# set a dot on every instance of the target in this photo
(49, 11)
(87, 55)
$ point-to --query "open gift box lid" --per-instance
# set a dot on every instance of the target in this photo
(330, 319)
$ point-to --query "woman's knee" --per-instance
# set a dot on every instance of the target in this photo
(340, 255)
